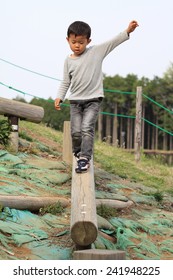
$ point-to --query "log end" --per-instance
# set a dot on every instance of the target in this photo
(84, 233)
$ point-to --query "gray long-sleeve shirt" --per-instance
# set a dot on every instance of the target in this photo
(83, 74)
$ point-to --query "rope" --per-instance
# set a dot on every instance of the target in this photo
(31, 71)
(158, 104)
(157, 126)
(104, 113)
(106, 90)
(119, 91)
(117, 115)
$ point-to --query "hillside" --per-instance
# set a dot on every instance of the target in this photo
(143, 230)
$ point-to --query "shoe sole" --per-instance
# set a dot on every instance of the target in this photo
(81, 171)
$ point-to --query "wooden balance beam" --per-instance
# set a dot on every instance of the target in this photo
(84, 228)
(16, 110)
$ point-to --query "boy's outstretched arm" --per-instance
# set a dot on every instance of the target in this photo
(132, 26)
(57, 103)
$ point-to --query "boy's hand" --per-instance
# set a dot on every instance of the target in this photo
(132, 26)
(57, 103)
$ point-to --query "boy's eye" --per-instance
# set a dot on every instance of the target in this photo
(81, 43)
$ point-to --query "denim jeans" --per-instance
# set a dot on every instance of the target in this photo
(83, 114)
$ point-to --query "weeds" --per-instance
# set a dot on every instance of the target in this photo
(106, 212)
(158, 196)
(53, 209)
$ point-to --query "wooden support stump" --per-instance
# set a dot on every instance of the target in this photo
(14, 135)
(16, 110)
(83, 207)
(97, 254)
(67, 143)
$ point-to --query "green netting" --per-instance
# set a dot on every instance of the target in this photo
(124, 238)
(137, 235)
(102, 243)
(104, 224)
(25, 174)
(6, 157)
(110, 195)
(143, 199)
(31, 175)
(130, 224)
(167, 246)
(46, 251)
(23, 228)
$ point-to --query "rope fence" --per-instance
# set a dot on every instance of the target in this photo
(105, 90)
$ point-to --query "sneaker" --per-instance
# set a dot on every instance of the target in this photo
(82, 165)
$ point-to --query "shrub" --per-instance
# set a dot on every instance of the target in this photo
(5, 130)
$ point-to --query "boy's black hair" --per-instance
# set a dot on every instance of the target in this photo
(79, 28)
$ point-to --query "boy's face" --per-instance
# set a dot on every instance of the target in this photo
(78, 44)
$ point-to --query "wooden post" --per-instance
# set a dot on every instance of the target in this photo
(98, 254)
(100, 120)
(138, 124)
(13, 121)
(83, 207)
(67, 143)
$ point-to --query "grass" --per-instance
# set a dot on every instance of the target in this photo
(41, 130)
(149, 172)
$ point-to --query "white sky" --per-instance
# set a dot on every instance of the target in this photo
(33, 35)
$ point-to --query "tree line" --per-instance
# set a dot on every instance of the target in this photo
(116, 120)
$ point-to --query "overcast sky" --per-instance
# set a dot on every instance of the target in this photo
(33, 36)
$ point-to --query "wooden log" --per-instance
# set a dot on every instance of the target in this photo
(31, 203)
(108, 237)
(84, 228)
(67, 143)
(99, 254)
(117, 204)
(21, 110)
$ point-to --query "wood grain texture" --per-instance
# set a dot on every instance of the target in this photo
(84, 228)
(31, 203)
(98, 254)
(21, 110)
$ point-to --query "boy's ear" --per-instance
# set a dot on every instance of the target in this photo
(89, 41)
(67, 39)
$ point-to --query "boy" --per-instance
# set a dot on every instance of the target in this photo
(83, 75)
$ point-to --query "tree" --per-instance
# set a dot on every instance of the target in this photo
(52, 117)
